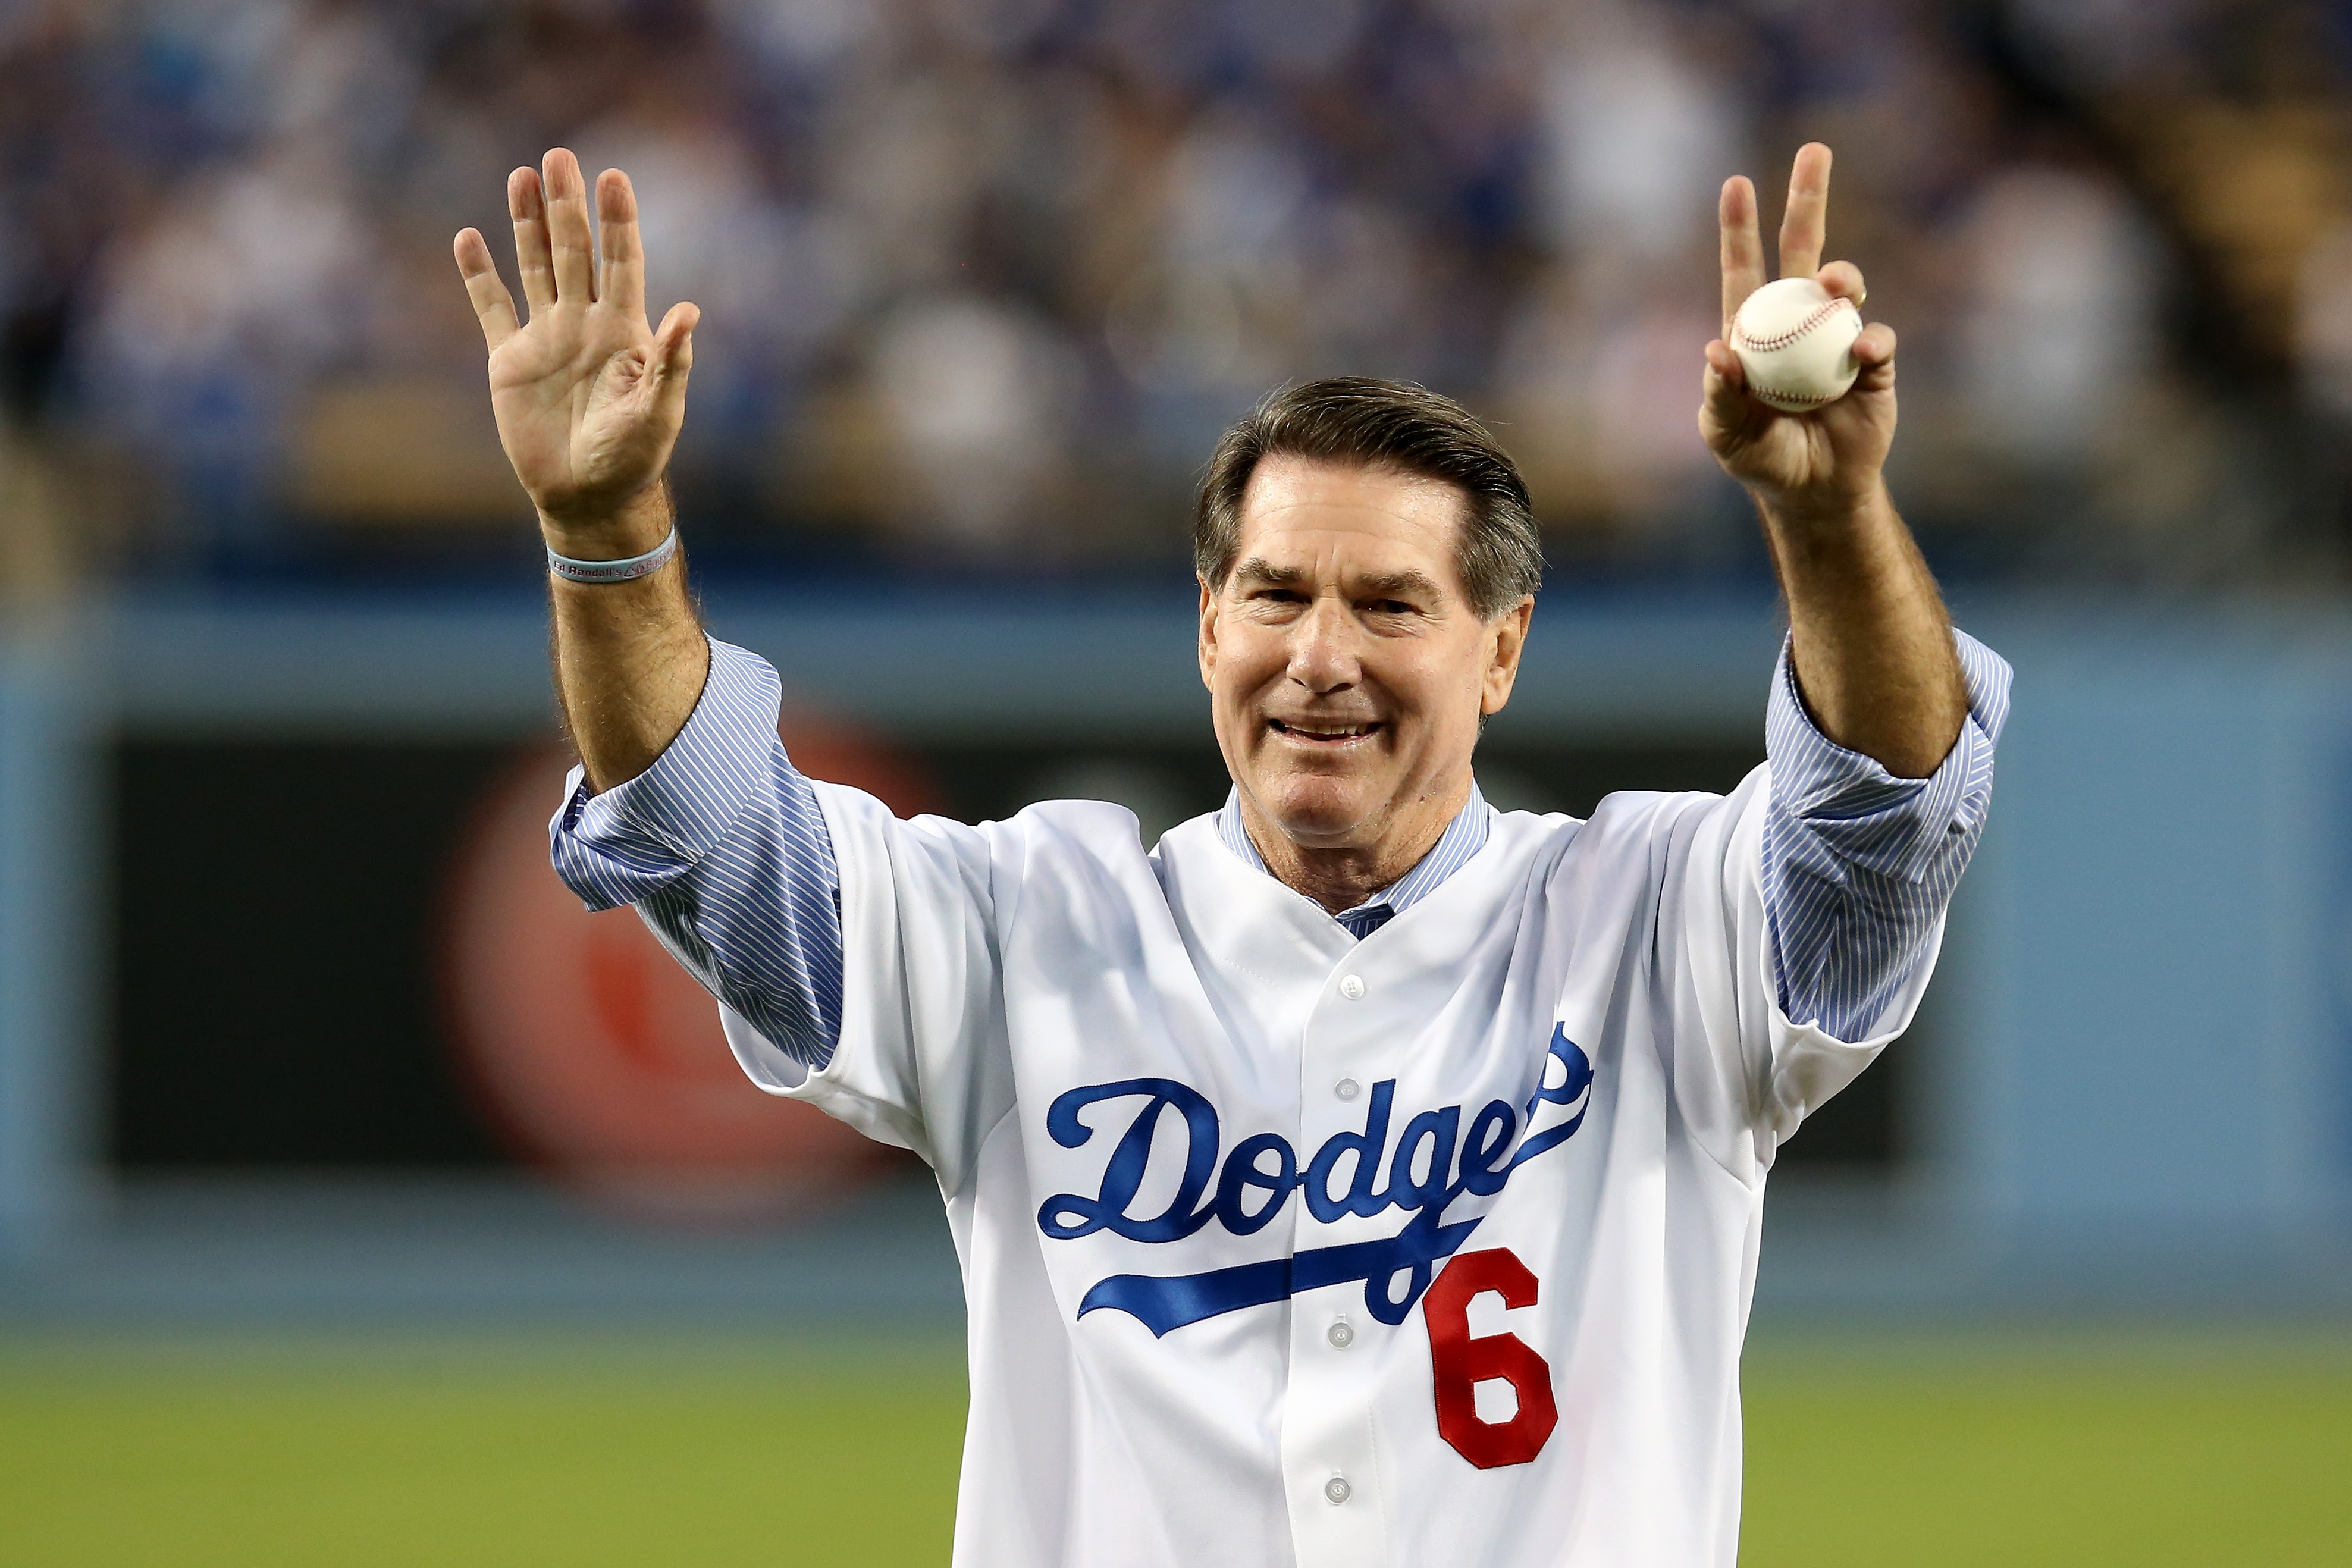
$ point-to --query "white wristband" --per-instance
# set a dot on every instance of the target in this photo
(635, 567)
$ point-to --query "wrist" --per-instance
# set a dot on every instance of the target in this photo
(610, 532)
(1823, 509)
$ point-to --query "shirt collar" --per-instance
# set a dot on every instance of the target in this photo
(1463, 838)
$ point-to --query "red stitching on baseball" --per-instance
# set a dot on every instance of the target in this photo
(1808, 399)
(1741, 340)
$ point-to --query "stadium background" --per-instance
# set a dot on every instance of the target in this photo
(319, 1239)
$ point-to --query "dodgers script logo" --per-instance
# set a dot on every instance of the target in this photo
(1254, 1183)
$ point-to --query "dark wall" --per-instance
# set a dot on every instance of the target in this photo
(275, 1000)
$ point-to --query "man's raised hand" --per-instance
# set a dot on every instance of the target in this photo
(1829, 460)
(589, 397)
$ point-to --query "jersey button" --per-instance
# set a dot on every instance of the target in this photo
(1347, 1089)
(1352, 987)
(1336, 1490)
(1341, 1335)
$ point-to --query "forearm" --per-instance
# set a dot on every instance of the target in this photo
(630, 658)
(1869, 641)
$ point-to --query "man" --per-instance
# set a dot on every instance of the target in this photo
(1362, 1175)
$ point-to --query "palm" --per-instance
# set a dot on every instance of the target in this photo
(1837, 450)
(589, 398)
(1791, 454)
(569, 393)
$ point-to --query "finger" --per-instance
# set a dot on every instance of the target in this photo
(1842, 279)
(1805, 224)
(567, 227)
(622, 251)
(527, 205)
(1743, 245)
(493, 306)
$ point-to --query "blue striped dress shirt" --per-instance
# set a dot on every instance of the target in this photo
(1858, 864)
(723, 848)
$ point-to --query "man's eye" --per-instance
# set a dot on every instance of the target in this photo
(1390, 608)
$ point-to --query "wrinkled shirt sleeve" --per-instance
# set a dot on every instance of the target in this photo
(723, 850)
(1858, 864)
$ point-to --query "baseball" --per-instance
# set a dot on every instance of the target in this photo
(1795, 339)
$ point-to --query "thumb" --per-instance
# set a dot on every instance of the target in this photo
(673, 356)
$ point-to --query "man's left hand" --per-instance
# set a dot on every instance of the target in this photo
(1825, 463)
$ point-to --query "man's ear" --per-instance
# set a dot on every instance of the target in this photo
(1208, 650)
(1506, 639)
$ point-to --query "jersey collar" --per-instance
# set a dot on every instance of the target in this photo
(1463, 838)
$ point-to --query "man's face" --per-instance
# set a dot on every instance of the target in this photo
(1345, 667)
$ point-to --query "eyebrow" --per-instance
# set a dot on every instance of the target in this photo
(1386, 584)
(1258, 569)
(1400, 584)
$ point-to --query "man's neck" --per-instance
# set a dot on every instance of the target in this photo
(1340, 877)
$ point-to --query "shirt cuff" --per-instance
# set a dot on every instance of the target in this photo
(682, 806)
(1836, 790)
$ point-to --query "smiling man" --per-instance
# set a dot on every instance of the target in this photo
(1360, 1175)
(1353, 651)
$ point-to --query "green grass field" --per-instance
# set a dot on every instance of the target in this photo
(2082, 1450)
(2075, 1449)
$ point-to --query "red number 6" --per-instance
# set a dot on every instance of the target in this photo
(1461, 1363)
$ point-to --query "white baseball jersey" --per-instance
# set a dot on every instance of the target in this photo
(1282, 1247)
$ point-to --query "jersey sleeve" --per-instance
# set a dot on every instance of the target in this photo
(922, 1058)
(851, 953)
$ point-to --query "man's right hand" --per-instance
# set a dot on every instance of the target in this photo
(589, 401)
(589, 397)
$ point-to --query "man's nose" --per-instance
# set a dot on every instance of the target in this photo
(1323, 657)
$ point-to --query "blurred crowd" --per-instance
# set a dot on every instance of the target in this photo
(981, 279)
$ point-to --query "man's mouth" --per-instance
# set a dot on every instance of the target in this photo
(1324, 731)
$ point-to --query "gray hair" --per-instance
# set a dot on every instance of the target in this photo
(1380, 423)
